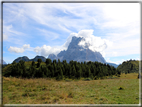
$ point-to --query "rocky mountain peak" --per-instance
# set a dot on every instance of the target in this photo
(52, 56)
(74, 43)
(78, 52)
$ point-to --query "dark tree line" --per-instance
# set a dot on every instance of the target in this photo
(60, 70)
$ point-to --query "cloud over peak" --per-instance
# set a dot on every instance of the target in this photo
(95, 43)
(46, 50)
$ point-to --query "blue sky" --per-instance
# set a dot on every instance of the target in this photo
(31, 29)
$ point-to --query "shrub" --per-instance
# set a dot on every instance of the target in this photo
(87, 79)
(95, 78)
(118, 75)
(121, 88)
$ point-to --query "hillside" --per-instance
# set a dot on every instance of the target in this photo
(112, 64)
(130, 66)
(26, 59)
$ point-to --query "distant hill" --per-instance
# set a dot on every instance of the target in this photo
(25, 58)
(3, 62)
(39, 57)
(129, 66)
(112, 64)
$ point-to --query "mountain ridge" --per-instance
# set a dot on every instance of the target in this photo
(74, 52)
(25, 58)
(20, 58)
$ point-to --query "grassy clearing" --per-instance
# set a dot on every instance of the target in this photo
(122, 90)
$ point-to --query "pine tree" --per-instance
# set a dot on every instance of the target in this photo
(54, 61)
(48, 61)
(13, 63)
(33, 63)
(48, 73)
(61, 74)
(73, 71)
(39, 62)
(51, 70)
(78, 74)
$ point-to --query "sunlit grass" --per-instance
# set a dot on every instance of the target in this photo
(50, 91)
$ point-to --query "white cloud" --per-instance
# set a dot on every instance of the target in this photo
(119, 22)
(118, 44)
(10, 34)
(120, 15)
(9, 30)
(115, 62)
(26, 46)
(46, 50)
(57, 16)
(19, 50)
(16, 50)
(123, 44)
(95, 43)
(64, 16)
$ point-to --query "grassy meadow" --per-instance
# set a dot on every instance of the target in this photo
(118, 90)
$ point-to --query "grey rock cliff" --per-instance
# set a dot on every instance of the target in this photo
(78, 53)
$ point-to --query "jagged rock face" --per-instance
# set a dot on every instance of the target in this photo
(24, 58)
(78, 53)
(39, 57)
(52, 56)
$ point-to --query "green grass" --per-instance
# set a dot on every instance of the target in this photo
(121, 90)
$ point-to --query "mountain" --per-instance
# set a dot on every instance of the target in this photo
(129, 66)
(112, 64)
(52, 57)
(3, 62)
(38, 57)
(25, 58)
(74, 52)
(78, 53)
